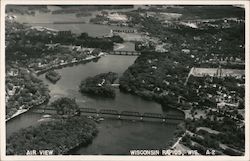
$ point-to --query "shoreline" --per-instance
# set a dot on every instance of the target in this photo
(22, 111)
(39, 72)
(17, 113)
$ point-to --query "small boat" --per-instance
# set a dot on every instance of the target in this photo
(99, 119)
(46, 116)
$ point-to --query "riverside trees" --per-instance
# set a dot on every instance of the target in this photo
(66, 106)
(99, 85)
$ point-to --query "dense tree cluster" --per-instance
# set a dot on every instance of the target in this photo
(99, 85)
(65, 106)
(53, 76)
(59, 135)
(155, 76)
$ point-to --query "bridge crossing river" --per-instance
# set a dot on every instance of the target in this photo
(126, 115)
(128, 53)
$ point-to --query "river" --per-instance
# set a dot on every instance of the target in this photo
(115, 137)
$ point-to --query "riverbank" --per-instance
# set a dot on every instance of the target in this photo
(64, 64)
(19, 112)
(22, 111)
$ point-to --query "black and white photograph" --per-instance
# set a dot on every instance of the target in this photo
(125, 79)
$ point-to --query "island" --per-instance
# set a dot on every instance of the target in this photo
(53, 76)
(61, 135)
(99, 85)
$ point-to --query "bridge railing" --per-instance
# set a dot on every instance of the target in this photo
(130, 113)
(107, 111)
(152, 115)
(88, 110)
(124, 30)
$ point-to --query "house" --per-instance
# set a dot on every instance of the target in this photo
(154, 67)
(181, 99)
(186, 51)
(197, 38)
(52, 46)
(40, 65)
(101, 84)
(165, 82)
(76, 48)
(12, 91)
(13, 72)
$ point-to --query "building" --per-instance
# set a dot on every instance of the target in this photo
(13, 72)
(186, 51)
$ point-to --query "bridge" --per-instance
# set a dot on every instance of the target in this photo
(128, 53)
(124, 115)
(123, 31)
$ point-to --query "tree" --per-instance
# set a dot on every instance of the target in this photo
(96, 52)
(241, 105)
(83, 35)
(117, 39)
(66, 106)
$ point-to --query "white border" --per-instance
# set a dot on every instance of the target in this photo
(246, 4)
